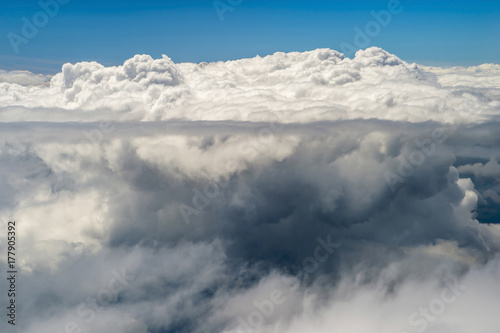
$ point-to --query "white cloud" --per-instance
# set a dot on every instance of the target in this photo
(304, 87)
(23, 78)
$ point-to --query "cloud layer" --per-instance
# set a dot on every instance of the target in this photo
(310, 86)
(292, 193)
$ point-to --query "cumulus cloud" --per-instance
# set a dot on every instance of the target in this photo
(24, 78)
(310, 86)
(291, 193)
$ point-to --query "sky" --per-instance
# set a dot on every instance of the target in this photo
(442, 33)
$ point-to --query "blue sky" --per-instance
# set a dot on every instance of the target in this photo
(428, 32)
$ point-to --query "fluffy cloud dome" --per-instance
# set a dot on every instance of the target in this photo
(302, 87)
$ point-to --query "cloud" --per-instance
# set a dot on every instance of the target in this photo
(23, 78)
(317, 85)
(215, 187)
(429, 305)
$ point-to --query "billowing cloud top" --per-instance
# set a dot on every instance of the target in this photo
(304, 87)
(298, 192)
